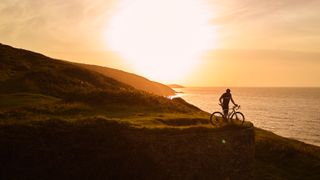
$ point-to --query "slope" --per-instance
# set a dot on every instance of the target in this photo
(134, 80)
(23, 71)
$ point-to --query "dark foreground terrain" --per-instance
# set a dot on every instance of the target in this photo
(283, 158)
(98, 148)
(103, 149)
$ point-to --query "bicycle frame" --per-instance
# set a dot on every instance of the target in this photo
(234, 110)
(234, 114)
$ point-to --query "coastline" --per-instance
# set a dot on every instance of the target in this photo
(281, 115)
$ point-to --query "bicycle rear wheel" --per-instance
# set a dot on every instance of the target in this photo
(238, 116)
(215, 118)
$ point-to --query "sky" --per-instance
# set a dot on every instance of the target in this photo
(188, 42)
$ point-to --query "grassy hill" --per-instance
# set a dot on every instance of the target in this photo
(60, 120)
(16, 62)
(23, 71)
(133, 80)
(283, 158)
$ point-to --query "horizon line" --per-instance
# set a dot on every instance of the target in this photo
(249, 86)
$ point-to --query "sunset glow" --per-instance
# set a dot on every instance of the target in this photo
(162, 40)
(188, 42)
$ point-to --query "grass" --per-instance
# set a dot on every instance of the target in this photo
(34, 124)
(99, 148)
(21, 107)
(67, 140)
(282, 158)
(137, 82)
(24, 99)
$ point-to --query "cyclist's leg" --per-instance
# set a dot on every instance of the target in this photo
(225, 110)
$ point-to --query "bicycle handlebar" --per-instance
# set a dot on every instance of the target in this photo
(236, 106)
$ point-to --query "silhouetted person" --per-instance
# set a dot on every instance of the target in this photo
(224, 102)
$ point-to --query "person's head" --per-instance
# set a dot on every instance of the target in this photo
(228, 90)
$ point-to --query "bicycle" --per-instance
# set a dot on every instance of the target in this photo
(233, 115)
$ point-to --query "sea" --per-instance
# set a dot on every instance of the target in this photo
(288, 112)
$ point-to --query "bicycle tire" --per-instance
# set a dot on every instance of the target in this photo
(238, 116)
(215, 118)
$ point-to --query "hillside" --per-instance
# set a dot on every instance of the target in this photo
(23, 71)
(277, 157)
(133, 80)
(15, 62)
(26, 71)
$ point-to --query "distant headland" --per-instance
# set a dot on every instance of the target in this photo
(175, 86)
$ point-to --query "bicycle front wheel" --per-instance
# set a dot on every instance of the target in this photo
(215, 118)
(238, 116)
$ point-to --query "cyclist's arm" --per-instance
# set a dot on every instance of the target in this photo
(233, 101)
(220, 100)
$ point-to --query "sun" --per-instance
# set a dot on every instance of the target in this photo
(161, 39)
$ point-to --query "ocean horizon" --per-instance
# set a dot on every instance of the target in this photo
(292, 112)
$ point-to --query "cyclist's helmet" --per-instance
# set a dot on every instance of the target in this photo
(228, 91)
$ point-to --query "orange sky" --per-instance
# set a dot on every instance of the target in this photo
(226, 42)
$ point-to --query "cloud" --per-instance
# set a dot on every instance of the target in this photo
(272, 24)
(279, 24)
(58, 22)
(234, 10)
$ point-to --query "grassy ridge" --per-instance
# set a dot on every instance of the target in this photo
(24, 99)
(282, 158)
(21, 107)
(134, 80)
(24, 71)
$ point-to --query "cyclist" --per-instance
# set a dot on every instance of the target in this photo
(224, 102)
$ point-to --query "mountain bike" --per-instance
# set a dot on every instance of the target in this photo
(234, 115)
